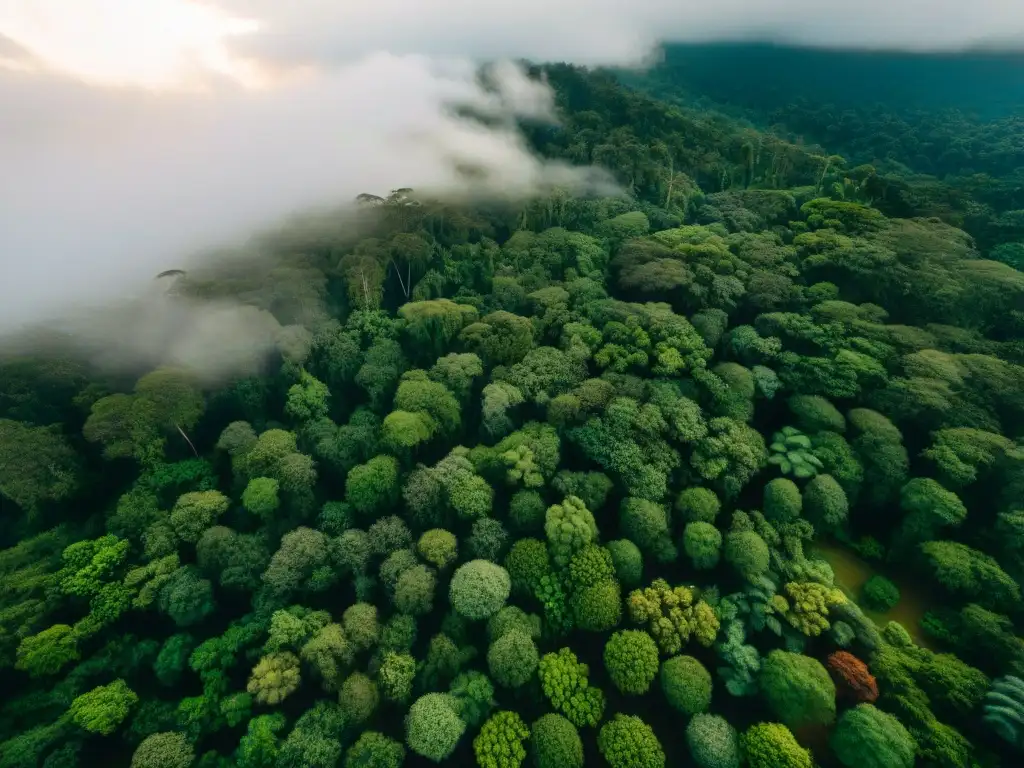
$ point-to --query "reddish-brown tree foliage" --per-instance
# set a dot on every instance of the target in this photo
(853, 680)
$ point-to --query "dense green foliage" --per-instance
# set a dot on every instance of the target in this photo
(713, 742)
(627, 741)
(631, 658)
(770, 745)
(880, 593)
(555, 743)
(866, 736)
(433, 726)
(686, 684)
(556, 480)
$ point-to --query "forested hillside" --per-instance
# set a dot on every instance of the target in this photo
(723, 471)
(944, 132)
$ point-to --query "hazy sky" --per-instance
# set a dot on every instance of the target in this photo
(597, 31)
(134, 130)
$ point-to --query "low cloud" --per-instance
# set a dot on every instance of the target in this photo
(214, 339)
(106, 186)
(112, 186)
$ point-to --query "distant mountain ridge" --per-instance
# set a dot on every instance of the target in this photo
(988, 83)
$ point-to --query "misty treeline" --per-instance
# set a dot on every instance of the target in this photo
(553, 483)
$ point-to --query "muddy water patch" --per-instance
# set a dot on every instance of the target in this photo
(852, 571)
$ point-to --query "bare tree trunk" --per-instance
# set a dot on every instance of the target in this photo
(182, 431)
(398, 272)
(671, 180)
(824, 171)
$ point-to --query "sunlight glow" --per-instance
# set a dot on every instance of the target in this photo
(153, 44)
